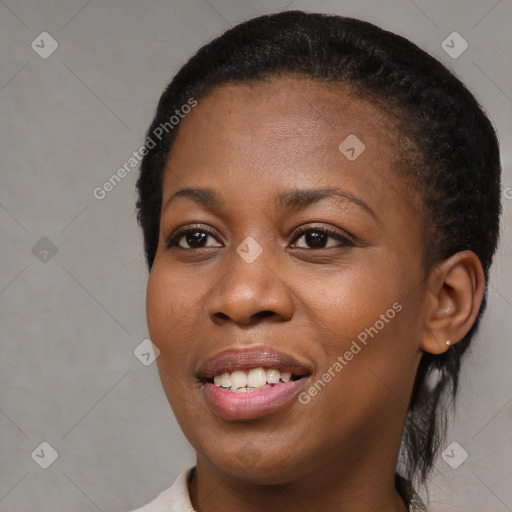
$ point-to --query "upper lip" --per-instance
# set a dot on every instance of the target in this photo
(248, 358)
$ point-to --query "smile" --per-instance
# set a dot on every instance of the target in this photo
(250, 383)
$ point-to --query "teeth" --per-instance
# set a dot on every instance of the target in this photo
(286, 376)
(247, 390)
(273, 376)
(223, 380)
(238, 379)
(257, 377)
(252, 380)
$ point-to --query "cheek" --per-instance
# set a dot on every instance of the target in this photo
(349, 301)
(167, 304)
(367, 318)
(157, 306)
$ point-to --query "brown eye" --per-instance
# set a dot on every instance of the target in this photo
(194, 238)
(318, 238)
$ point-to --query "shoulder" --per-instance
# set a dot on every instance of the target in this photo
(173, 499)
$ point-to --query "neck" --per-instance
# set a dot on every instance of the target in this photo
(339, 487)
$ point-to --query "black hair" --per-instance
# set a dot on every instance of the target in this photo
(449, 152)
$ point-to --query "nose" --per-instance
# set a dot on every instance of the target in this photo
(247, 292)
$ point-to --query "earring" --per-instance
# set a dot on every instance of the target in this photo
(448, 342)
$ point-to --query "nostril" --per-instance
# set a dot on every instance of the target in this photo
(264, 314)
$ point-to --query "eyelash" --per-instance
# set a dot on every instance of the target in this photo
(174, 238)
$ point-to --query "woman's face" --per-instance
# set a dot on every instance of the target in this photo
(258, 282)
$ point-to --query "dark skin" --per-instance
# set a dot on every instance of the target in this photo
(250, 143)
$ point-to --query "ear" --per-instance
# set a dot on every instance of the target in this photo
(455, 292)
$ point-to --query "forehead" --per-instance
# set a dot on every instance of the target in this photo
(284, 108)
(286, 130)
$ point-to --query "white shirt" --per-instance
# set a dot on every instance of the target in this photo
(173, 499)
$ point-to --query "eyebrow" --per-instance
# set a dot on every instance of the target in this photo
(290, 200)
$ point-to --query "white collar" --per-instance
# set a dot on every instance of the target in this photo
(173, 499)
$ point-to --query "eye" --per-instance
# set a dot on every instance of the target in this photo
(195, 236)
(317, 238)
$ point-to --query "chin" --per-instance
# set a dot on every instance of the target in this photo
(257, 465)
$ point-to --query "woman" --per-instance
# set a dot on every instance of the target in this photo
(320, 205)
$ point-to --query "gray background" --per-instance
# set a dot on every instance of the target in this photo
(70, 321)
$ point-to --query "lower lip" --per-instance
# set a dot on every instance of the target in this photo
(251, 405)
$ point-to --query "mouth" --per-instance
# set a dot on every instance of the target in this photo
(250, 383)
